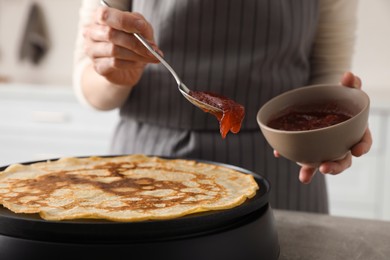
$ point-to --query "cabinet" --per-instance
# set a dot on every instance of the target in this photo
(48, 122)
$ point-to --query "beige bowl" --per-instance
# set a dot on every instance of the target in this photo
(324, 144)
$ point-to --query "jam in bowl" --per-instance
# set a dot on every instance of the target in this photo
(310, 117)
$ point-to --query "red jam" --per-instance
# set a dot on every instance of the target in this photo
(232, 115)
(309, 117)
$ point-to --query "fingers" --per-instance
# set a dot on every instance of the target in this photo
(109, 50)
(127, 22)
(364, 145)
(116, 43)
(336, 167)
(306, 174)
(114, 28)
(350, 80)
(124, 21)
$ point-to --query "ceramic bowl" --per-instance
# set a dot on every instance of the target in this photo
(323, 144)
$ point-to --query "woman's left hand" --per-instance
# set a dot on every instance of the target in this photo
(335, 167)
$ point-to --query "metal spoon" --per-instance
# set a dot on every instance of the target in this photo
(185, 91)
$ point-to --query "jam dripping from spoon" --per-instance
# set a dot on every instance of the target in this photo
(231, 116)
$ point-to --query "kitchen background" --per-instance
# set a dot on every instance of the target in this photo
(40, 117)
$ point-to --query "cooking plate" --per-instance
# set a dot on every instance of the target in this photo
(32, 226)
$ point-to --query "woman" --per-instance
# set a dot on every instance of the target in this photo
(249, 51)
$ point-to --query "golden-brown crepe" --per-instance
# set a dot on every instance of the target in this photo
(122, 188)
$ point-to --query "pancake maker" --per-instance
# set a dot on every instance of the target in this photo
(245, 232)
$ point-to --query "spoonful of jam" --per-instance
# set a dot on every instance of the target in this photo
(231, 113)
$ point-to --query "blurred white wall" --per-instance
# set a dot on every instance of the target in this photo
(372, 55)
(61, 17)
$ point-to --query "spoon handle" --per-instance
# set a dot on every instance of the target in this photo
(158, 56)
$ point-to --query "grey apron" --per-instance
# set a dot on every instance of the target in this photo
(249, 51)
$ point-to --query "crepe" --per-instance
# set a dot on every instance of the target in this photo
(122, 188)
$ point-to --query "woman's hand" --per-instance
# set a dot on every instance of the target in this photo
(335, 167)
(116, 54)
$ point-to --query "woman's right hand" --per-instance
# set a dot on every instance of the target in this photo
(115, 52)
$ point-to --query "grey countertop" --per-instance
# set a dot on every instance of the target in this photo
(316, 236)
